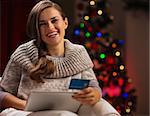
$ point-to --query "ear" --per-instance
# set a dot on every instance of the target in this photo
(66, 22)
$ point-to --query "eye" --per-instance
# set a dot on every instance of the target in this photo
(42, 23)
(54, 20)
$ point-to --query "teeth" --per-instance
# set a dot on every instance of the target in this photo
(53, 33)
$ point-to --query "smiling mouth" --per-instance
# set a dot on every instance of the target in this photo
(52, 35)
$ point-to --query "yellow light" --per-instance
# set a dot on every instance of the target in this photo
(92, 2)
(128, 110)
(117, 53)
(121, 67)
(100, 12)
(86, 17)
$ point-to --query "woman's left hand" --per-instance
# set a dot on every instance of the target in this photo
(89, 96)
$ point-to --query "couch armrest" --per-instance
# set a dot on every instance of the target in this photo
(101, 108)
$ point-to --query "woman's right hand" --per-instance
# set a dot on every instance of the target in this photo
(89, 96)
(12, 101)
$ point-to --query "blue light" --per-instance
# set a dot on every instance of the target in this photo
(121, 42)
(99, 34)
(125, 95)
(77, 32)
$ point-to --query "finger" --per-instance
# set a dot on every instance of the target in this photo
(89, 101)
(87, 90)
(84, 91)
(84, 95)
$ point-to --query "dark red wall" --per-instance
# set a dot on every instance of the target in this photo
(14, 15)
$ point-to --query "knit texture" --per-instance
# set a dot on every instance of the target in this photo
(76, 59)
(75, 64)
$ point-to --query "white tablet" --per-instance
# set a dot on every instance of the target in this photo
(39, 101)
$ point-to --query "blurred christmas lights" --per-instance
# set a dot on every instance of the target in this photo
(114, 45)
(102, 55)
(92, 2)
(81, 25)
(86, 18)
(121, 67)
(99, 34)
(99, 12)
(117, 53)
(87, 34)
(105, 52)
(77, 32)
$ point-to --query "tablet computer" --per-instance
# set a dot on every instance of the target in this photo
(39, 101)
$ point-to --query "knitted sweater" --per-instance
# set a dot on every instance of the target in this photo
(75, 64)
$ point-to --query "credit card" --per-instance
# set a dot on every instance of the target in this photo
(78, 83)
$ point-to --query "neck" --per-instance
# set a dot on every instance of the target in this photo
(57, 50)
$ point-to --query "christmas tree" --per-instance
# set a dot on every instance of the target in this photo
(92, 30)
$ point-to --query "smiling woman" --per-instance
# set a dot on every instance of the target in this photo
(47, 63)
(52, 29)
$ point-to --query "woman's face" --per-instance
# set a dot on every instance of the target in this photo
(52, 27)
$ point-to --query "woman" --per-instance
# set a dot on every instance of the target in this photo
(47, 63)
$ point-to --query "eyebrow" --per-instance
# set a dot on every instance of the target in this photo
(50, 19)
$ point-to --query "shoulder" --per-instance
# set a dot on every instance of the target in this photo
(26, 46)
(77, 52)
(26, 50)
(74, 47)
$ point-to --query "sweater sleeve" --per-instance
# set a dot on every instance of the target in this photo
(2, 95)
(11, 78)
(89, 74)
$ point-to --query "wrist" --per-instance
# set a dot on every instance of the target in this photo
(22, 104)
(14, 102)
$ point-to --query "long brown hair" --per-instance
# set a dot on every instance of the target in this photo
(43, 65)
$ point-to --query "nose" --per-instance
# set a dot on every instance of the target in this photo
(50, 25)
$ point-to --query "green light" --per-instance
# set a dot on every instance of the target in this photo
(102, 56)
(87, 34)
(81, 25)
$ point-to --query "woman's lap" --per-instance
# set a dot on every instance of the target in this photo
(53, 113)
(14, 112)
(99, 109)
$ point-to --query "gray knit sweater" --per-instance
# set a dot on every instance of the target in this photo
(75, 64)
